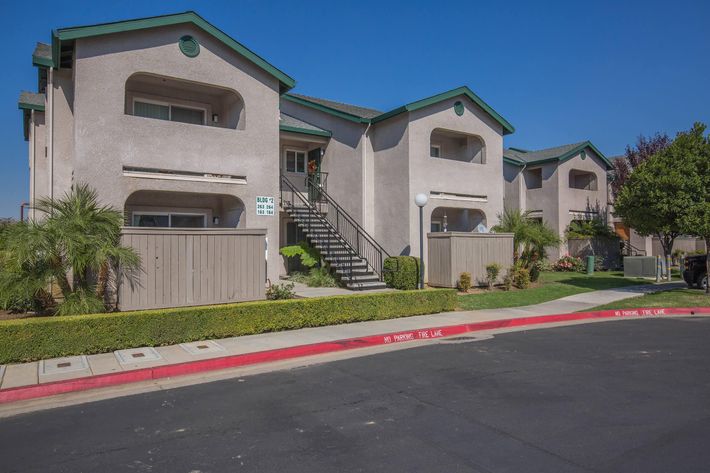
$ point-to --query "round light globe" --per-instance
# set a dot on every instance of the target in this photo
(421, 200)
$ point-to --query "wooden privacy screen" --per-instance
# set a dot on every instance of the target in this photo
(184, 267)
(453, 253)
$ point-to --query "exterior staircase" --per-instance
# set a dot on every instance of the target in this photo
(357, 260)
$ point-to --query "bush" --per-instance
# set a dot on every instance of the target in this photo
(464, 282)
(402, 272)
(48, 337)
(492, 271)
(535, 269)
(308, 255)
(280, 291)
(569, 263)
(508, 279)
(521, 278)
(316, 277)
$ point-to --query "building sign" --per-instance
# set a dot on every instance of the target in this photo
(264, 205)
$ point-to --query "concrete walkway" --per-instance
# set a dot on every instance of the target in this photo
(57, 369)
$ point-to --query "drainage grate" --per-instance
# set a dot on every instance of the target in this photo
(138, 355)
(456, 339)
(65, 364)
(203, 347)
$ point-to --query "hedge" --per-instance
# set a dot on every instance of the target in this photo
(401, 272)
(37, 338)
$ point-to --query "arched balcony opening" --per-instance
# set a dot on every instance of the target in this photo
(178, 100)
(451, 219)
(147, 208)
(457, 146)
(584, 180)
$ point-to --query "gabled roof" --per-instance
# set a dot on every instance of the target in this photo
(521, 157)
(359, 114)
(459, 91)
(295, 125)
(31, 101)
(73, 33)
(354, 110)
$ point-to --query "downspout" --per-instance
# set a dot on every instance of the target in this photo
(365, 210)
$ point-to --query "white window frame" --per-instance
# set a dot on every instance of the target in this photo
(295, 163)
(438, 148)
(170, 106)
(170, 217)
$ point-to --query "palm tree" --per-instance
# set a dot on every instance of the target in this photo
(530, 236)
(78, 237)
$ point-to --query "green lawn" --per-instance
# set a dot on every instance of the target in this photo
(674, 298)
(551, 286)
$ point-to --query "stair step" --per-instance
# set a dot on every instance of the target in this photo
(360, 278)
(364, 286)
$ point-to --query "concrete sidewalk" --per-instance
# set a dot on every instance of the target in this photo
(75, 367)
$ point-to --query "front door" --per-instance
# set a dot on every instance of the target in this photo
(314, 174)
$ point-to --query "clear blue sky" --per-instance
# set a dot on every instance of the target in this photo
(560, 72)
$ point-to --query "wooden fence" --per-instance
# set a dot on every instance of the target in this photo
(452, 253)
(606, 250)
(184, 267)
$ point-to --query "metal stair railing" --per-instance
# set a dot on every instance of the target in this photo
(349, 230)
(630, 250)
(287, 189)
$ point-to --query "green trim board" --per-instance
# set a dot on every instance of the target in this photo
(305, 131)
(73, 33)
(459, 91)
(561, 158)
(323, 108)
(30, 106)
(41, 61)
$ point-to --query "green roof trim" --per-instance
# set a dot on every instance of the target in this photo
(513, 161)
(324, 108)
(305, 131)
(73, 33)
(31, 101)
(465, 91)
(568, 154)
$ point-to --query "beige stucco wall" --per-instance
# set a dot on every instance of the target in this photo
(106, 138)
(427, 174)
(391, 184)
(343, 155)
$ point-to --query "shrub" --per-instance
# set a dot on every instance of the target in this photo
(402, 272)
(321, 277)
(569, 263)
(521, 278)
(308, 255)
(464, 282)
(508, 279)
(535, 269)
(492, 271)
(48, 337)
(316, 277)
(280, 291)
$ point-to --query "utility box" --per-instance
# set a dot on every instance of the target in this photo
(640, 266)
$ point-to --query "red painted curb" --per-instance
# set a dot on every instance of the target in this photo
(232, 361)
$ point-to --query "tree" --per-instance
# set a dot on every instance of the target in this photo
(78, 238)
(656, 193)
(634, 156)
(693, 149)
(531, 236)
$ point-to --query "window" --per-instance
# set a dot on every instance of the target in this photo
(533, 178)
(294, 234)
(296, 161)
(165, 111)
(169, 220)
(435, 151)
(436, 226)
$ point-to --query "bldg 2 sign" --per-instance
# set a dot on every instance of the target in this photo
(265, 205)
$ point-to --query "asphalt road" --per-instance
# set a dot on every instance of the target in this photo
(630, 396)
